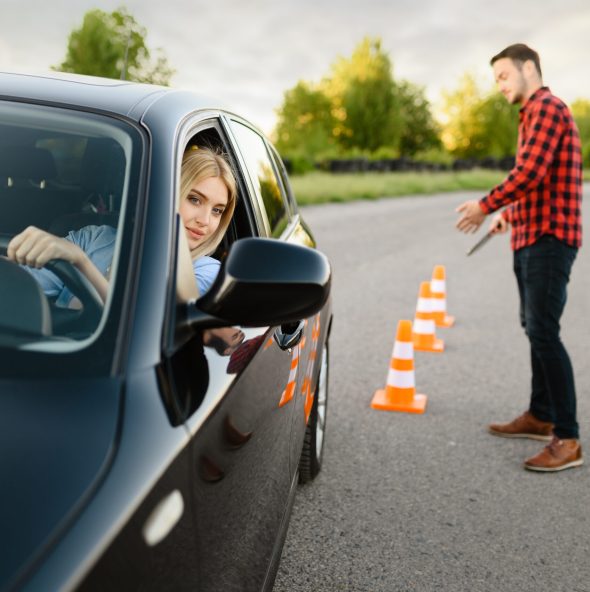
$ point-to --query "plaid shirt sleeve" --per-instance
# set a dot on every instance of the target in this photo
(543, 134)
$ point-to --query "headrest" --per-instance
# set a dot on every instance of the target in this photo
(27, 162)
(103, 167)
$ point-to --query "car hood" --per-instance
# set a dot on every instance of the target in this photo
(56, 439)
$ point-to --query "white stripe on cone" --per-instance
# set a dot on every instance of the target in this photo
(403, 350)
(424, 326)
(401, 378)
(439, 304)
(424, 305)
(438, 286)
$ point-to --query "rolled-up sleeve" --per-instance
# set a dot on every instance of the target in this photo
(206, 270)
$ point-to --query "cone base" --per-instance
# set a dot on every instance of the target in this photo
(384, 403)
(446, 322)
(438, 346)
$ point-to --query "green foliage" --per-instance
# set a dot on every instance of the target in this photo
(305, 122)
(478, 124)
(105, 42)
(299, 164)
(383, 153)
(434, 156)
(363, 94)
(497, 127)
(581, 113)
(420, 132)
(358, 110)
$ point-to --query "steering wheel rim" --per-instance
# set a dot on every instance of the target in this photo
(76, 282)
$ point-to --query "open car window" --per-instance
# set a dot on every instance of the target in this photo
(210, 134)
(68, 173)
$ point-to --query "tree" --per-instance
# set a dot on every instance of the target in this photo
(305, 122)
(358, 107)
(496, 130)
(112, 44)
(364, 98)
(478, 124)
(581, 114)
(420, 132)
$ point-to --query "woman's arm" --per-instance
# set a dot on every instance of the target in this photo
(35, 247)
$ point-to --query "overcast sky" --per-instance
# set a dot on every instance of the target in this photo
(248, 52)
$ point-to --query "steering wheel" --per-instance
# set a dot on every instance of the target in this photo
(76, 282)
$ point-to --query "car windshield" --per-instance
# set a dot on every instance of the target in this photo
(70, 174)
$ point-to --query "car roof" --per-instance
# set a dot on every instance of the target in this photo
(129, 99)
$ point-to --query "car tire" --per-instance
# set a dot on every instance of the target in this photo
(310, 462)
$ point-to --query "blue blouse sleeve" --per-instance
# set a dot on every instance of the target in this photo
(97, 242)
(206, 270)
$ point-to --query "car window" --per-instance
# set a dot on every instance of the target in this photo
(263, 176)
(66, 173)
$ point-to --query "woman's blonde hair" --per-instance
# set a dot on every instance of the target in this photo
(199, 164)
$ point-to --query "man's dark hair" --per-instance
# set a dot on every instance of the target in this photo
(519, 53)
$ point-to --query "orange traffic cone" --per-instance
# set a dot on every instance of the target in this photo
(438, 288)
(400, 392)
(424, 332)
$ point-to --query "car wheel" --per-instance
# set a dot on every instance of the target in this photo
(310, 462)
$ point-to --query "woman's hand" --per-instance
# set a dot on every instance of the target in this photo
(35, 247)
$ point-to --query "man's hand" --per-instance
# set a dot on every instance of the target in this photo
(498, 225)
(472, 216)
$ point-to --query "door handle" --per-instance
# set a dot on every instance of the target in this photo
(289, 335)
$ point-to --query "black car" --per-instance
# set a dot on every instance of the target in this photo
(153, 441)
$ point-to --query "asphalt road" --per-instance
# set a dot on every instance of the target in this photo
(432, 502)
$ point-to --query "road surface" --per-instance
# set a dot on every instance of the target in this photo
(432, 502)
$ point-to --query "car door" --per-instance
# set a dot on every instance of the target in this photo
(233, 383)
(282, 221)
(314, 328)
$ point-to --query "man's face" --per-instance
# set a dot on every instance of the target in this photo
(510, 80)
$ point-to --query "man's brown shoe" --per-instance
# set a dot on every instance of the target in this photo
(524, 426)
(556, 456)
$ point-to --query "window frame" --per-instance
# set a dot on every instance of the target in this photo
(254, 195)
(194, 124)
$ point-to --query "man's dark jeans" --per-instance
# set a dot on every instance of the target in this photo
(542, 271)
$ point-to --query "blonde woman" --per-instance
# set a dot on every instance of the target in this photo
(207, 202)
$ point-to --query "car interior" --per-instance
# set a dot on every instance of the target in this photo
(82, 190)
(59, 181)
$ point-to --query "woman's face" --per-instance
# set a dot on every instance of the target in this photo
(202, 208)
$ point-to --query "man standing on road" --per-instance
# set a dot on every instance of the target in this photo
(543, 195)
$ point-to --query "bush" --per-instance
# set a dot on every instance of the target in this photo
(384, 153)
(434, 156)
(298, 164)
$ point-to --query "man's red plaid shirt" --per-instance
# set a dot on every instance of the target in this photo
(544, 189)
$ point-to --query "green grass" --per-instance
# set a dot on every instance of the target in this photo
(320, 187)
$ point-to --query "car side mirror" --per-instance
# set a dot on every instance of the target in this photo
(263, 282)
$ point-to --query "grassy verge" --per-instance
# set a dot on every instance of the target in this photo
(320, 187)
